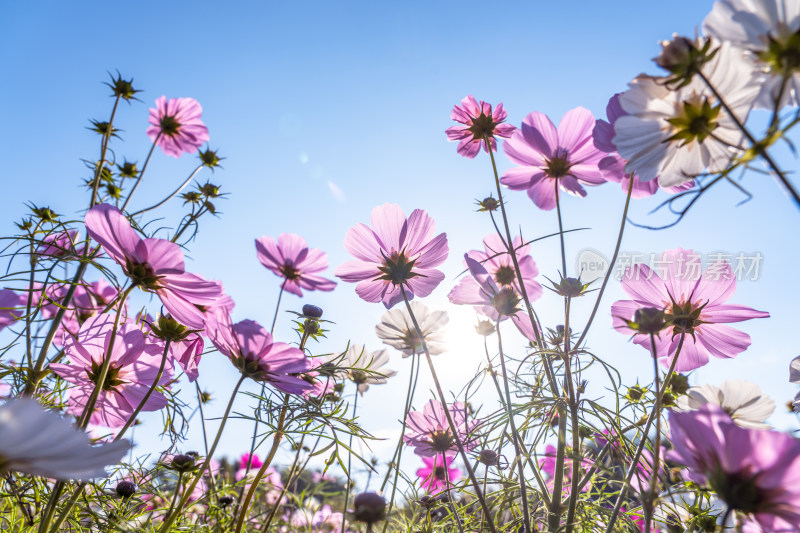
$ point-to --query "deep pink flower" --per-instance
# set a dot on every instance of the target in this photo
(612, 166)
(695, 304)
(154, 265)
(754, 471)
(494, 301)
(252, 350)
(291, 259)
(429, 433)
(566, 155)
(243, 469)
(133, 368)
(395, 251)
(479, 122)
(432, 474)
(176, 125)
(12, 307)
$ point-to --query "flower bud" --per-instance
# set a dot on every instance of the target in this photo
(369, 507)
(122, 88)
(488, 204)
(488, 457)
(126, 489)
(678, 384)
(649, 320)
(684, 58)
(570, 287)
(209, 158)
(225, 501)
(183, 462)
(505, 302)
(485, 328)
(167, 328)
(312, 311)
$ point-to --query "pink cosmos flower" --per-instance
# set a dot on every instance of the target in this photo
(291, 259)
(87, 301)
(252, 350)
(565, 156)
(176, 127)
(133, 368)
(12, 306)
(479, 123)
(395, 251)
(612, 166)
(154, 265)
(693, 302)
(186, 352)
(60, 244)
(429, 433)
(754, 471)
(432, 474)
(498, 302)
(254, 464)
(548, 465)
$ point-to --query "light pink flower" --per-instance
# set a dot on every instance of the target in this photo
(547, 155)
(186, 352)
(395, 251)
(176, 125)
(432, 474)
(429, 433)
(754, 471)
(612, 166)
(291, 259)
(60, 244)
(12, 307)
(154, 265)
(252, 350)
(87, 301)
(479, 122)
(497, 302)
(695, 305)
(131, 372)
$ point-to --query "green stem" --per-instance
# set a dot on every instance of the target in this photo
(139, 178)
(349, 473)
(176, 191)
(170, 518)
(475, 484)
(150, 391)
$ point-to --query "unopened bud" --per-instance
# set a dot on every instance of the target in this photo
(369, 507)
(312, 311)
(126, 489)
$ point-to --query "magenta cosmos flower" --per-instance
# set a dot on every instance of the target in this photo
(176, 127)
(566, 157)
(252, 350)
(133, 369)
(429, 433)
(432, 474)
(394, 252)
(612, 166)
(291, 259)
(154, 265)
(695, 307)
(479, 123)
(493, 300)
(11, 307)
(754, 471)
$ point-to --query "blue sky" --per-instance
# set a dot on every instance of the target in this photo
(325, 110)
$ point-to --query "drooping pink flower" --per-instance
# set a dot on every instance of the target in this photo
(694, 304)
(566, 157)
(291, 259)
(754, 471)
(497, 302)
(252, 350)
(12, 307)
(186, 352)
(59, 244)
(394, 252)
(432, 474)
(479, 124)
(176, 127)
(87, 301)
(612, 166)
(154, 265)
(429, 432)
(133, 368)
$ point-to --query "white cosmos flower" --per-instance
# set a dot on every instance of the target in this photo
(743, 400)
(397, 330)
(41, 443)
(766, 29)
(362, 367)
(676, 134)
(794, 377)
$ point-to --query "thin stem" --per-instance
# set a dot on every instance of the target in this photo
(175, 494)
(139, 178)
(574, 417)
(349, 459)
(561, 231)
(657, 444)
(762, 151)
(170, 518)
(610, 265)
(276, 440)
(149, 393)
(294, 472)
(103, 148)
(640, 448)
(516, 438)
(176, 191)
(447, 489)
(28, 318)
(475, 484)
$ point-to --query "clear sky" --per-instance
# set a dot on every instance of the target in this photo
(324, 110)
